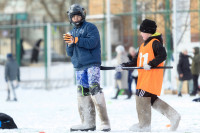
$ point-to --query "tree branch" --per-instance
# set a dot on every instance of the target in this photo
(47, 10)
(185, 28)
(3, 4)
(61, 10)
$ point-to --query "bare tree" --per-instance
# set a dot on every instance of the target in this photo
(60, 6)
(2, 4)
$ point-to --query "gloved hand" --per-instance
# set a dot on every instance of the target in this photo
(119, 68)
(146, 67)
(68, 38)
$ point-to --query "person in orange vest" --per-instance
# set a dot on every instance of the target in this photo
(151, 54)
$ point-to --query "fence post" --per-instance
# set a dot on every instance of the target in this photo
(104, 44)
(134, 17)
(168, 35)
(199, 23)
(47, 51)
(18, 46)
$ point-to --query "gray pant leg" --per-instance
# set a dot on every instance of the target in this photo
(190, 84)
(13, 89)
(180, 86)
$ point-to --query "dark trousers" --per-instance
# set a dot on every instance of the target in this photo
(130, 80)
(142, 93)
(195, 83)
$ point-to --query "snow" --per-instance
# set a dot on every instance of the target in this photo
(55, 110)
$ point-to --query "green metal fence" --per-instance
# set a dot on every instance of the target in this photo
(52, 50)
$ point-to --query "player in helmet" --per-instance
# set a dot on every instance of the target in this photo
(76, 9)
(84, 48)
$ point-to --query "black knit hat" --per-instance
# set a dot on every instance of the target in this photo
(148, 26)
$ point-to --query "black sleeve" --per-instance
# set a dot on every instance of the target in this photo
(130, 57)
(132, 63)
(159, 53)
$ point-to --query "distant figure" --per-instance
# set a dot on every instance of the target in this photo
(12, 75)
(35, 51)
(184, 72)
(132, 74)
(22, 52)
(121, 78)
(195, 70)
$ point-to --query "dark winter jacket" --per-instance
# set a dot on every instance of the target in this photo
(12, 70)
(158, 49)
(35, 51)
(184, 67)
(87, 51)
(130, 57)
(196, 62)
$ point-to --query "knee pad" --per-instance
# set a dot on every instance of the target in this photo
(95, 88)
(82, 91)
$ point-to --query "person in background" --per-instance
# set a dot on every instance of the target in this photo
(12, 75)
(132, 74)
(121, 78)
(151, 54)
(184, 71)
(35, 51)
(195, 69)
(84, 48)
(22, 52)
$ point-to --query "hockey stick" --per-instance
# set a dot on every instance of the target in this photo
(132, 68)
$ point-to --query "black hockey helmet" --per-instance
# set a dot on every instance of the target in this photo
(76, 9)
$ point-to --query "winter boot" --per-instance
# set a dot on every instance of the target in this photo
(87, 114)
(143, 106)
(169, 112)
(196, 100)
(129, 94)
(179, 94)
(117, 93)
(15, 99)
(100, 104)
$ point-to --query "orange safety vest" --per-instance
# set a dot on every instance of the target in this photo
(149, 80)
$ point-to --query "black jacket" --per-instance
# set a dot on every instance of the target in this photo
(158, 49)
(130, 57)
(184, 67)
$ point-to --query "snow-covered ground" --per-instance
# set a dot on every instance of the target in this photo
(55, 110)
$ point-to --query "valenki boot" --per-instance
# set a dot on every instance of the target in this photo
(169, 112)
(143, 106)
(87, 114)
(100, 105)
